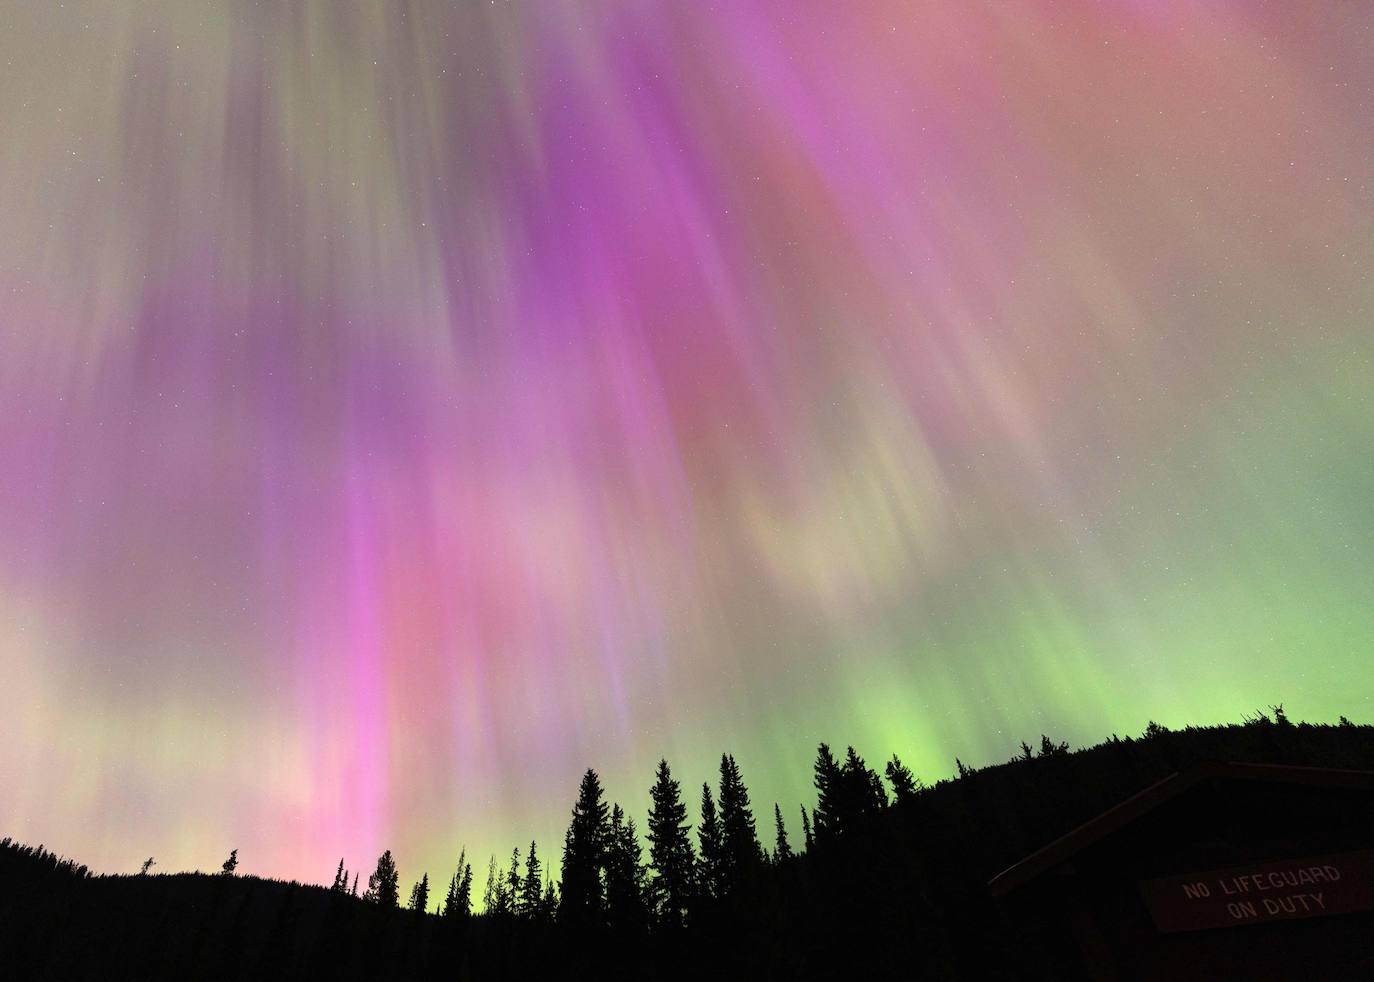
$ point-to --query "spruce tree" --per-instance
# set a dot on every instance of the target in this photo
(861, 793)
(670, 850)
(1048, 748)
(625, 907)
(826, 817)
(340, 879)
(712, 846)
(904, 784)
(584, 845)
(806, 830)
(449, 908)
(783, 851)
(549, 905)
(741, 850)
(531, 887)
(465, 891)
(511, 889)
(231, 864)
(455, 905)
(383, 886)
(419, 895)
(355, 884)
(494, 899)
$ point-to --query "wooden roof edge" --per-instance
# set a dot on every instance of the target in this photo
(1124, 812)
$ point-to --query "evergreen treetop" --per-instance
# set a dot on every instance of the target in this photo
(712, 845)
(782, 849)
(904, 783)
(383, 886)
(670, 850)
(741, 850)
(583, 896)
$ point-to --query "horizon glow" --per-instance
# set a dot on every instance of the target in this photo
(404, 407)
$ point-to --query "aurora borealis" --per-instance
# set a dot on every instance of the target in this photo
(405, 406)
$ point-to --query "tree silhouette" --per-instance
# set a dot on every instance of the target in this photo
(849, 910)
(583, 900)
(419, 895)
(148, 864)
(383, 886)
(782, 851)
(465, 891)
(904, 783)
(549, 905)
(230, 864)
(625, 906)
(458, 900)
(741, 852)
(863, 794)
(1048, 748)
(495, 900)
(531, 887)
(511, 888)
(670, 850)
(826, 816)
(354, 891)
(712, 846)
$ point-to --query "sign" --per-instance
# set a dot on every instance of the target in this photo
(1261, 893)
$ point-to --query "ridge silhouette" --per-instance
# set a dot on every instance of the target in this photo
(883, 884)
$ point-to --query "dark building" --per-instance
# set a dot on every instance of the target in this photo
(1223, 871)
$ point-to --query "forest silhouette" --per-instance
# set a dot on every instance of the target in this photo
(881, 875)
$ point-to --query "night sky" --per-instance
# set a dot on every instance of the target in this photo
(406, 406)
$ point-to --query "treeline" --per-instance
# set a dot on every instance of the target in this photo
(608, 883)
(887, 878)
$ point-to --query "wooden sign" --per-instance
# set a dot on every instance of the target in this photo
(1261, 893)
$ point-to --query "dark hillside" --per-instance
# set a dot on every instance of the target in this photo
(900, 891)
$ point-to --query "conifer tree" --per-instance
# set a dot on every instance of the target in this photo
(419, 895)
(806, 830)
(531, 887)
(670, 850)
(625, 907)
(340, 879)
(712, 845)
(825, 817)
(1048, 748)
(383, 886)
(511, 889)
(741, 850)
(455, 905)
(465, 892)
(862, 794)
(584, 845)
(783, 851)
(550, 901)
(449, 908)
(904, 783)
(355, 884)
(495, 899)
(231, 864)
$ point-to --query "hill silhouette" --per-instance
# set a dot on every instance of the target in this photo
(872, 884)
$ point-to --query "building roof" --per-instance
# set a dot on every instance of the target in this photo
(1119, 816)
